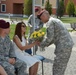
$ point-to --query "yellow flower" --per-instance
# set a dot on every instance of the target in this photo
(43, 33)
(39, 35)
(34, 36)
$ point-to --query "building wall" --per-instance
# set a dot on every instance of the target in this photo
(66, 1)
(38, 2)
(9, 5)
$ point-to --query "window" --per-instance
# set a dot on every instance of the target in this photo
(3, 8)
(42, 2)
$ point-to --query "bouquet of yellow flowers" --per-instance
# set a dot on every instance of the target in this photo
(37, 35)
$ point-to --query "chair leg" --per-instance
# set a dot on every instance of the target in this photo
(42, 68)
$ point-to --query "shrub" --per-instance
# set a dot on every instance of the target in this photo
(48, 7)
(28, 7)
(70, 9)
(61, 9)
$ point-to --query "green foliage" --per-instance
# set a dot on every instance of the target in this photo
(12, 31)
(61, 8)
(48, 7)
(75, 11)
(28, 7)
(70, 9)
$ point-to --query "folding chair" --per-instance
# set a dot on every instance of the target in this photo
(39, 57)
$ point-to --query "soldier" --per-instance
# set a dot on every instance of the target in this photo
(57, 34)
(7, 55)
(38, 23)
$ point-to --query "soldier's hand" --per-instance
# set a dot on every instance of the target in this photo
(38, 43)
(35, 42)
(12, 61)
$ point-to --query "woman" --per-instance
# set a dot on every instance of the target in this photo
(20, 45)
(2, 71)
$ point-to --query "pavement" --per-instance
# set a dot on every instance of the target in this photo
(49, 56)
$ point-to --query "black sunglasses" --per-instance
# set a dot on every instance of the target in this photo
(23, 26)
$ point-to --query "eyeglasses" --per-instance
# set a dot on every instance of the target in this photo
(23, 26)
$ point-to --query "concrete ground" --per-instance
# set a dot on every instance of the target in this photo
(49, 55)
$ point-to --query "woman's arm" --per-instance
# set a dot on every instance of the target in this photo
(18, 43)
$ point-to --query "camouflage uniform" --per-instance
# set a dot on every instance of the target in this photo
(6, 52)
(57, 34)
(38, 26)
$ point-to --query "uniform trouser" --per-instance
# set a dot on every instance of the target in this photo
(19, 65)
(60, 61)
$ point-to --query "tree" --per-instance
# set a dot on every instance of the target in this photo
(48, 7)
(75, 11)
(61, 8)
(70, 9)
(28, 7)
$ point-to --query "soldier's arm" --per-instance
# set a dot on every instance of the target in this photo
(49, 36)
(12, 51)
(4, 58)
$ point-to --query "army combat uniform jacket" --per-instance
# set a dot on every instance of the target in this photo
(58, 35)
(6, 52)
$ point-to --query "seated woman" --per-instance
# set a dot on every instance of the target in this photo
(20, 45)
(2, 71)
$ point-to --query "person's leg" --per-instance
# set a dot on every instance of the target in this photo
(33, 69)
(60, 62)
(21, 67)
(9, 68)
(2, 71)
(36, 68)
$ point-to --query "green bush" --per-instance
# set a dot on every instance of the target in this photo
(75, 11)
(61, 9)
(48, 7)
(28, 7)
(70, 9)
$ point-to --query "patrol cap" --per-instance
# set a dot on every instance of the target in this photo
(4, 24)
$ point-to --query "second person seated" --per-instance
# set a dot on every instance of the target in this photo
(20, 45)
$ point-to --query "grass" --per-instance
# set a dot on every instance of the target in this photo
(12, 27)
(68, 19)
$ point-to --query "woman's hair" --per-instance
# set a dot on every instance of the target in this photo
(18, 30)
